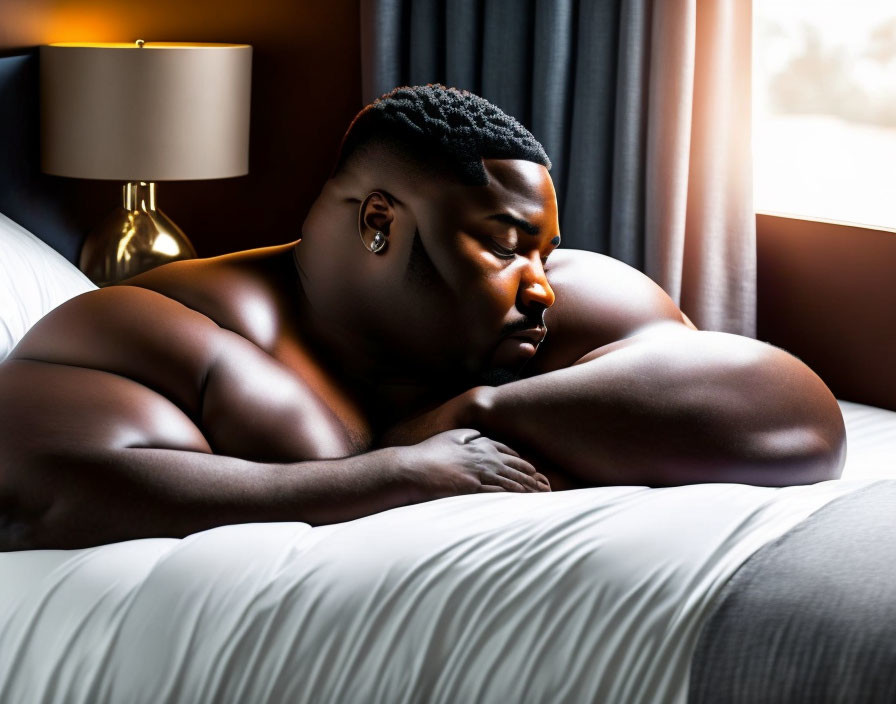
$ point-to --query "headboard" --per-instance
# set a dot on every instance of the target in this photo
(34, 200)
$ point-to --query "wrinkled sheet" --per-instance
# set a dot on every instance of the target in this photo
(577, 596)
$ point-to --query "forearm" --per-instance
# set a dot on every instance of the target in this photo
(672, 409)
(103, 497)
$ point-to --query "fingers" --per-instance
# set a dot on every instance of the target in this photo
(519, 464)
(492, 488)
(513, 467)
(532, 477)
(525, 480)
(513, 473)
(508, 479)
(503, 448)
(507, 483)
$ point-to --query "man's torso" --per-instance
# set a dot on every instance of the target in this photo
(222, 340)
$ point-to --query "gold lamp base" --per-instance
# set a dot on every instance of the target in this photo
(136, 237)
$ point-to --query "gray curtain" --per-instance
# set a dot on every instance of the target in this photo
(642, 105)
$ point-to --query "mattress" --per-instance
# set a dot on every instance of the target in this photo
(871, 441)
(578, 596)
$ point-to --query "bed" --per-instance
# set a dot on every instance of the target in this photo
(701, 593)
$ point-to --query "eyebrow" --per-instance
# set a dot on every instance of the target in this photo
(523, 225)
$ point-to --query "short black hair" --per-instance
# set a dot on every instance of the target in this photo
(433, 122)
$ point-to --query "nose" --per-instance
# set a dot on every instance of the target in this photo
(534, 286)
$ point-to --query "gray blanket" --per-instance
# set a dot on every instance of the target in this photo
(810, 617)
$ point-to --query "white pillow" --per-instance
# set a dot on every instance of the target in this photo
(34, 279)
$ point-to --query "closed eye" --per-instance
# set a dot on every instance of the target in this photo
(505, 253)
(519, 224)
(502, 251)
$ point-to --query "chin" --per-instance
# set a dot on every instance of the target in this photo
(498, 376)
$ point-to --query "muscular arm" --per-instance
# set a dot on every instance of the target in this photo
(100, 434)
(672, 406)
(128, 483)
(125, 414)
(626, 391)
(629, 392)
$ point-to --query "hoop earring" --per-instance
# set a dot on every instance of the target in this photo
(379, 241)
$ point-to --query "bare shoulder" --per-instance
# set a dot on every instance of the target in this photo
(165, 329)
(245, 292)
(599, 300)
(130, 332)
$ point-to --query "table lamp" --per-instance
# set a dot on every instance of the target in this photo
(142, 113)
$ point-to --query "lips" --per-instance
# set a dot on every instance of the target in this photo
(514, 350)
(533, 335)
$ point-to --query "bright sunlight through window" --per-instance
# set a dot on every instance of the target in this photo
(824, 109)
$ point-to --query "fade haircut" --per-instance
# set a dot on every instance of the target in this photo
(440, 126)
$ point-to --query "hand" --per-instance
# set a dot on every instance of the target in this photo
(463, 461)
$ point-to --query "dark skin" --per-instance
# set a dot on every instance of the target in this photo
(320, 382)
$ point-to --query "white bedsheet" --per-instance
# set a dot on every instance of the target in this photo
(871, 441)
(577, 596)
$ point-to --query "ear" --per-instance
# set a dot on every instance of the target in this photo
(375, 217)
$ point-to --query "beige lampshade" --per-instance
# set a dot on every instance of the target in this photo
(166, 111)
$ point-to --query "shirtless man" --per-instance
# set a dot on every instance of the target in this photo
(392, 355)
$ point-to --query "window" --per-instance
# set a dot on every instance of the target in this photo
(824, 109)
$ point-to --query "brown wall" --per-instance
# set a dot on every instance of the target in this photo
(827, 293)
(306, 88)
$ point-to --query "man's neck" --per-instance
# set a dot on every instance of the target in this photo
(387, 385)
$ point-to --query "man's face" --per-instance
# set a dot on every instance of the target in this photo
(478, 266)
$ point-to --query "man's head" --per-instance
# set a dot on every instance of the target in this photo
(446, 128)
(426, 245)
